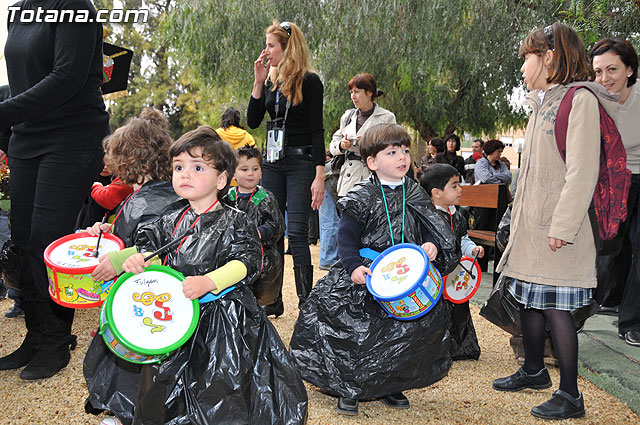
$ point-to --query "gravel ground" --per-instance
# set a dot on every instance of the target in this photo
(463, 397)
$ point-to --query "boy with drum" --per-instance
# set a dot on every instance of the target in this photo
(235, 367)
(343, 341)
(261, 207)
(442, 183)
(137, 154)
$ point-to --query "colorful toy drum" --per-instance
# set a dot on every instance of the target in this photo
(460, 285)
(70, 261)
(404, 282)
(146, 316)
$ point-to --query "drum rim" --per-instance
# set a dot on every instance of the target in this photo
(384, 253)
(473, 292)
(145, 351)
(75, 270)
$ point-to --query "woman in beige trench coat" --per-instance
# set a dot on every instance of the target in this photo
(549, 263)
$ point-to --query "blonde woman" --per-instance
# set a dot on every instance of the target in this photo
(286, 87)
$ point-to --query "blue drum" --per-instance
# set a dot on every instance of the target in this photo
(404, 282)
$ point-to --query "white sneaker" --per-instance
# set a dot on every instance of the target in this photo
(110, 420)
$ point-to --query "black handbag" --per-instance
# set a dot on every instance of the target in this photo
(10, 258)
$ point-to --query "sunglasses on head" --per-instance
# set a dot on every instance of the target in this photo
(286, 26)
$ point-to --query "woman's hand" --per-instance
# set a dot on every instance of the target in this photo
(345, 143)
(260, 70)
(196, 286)
(135, 264)
(317, 188)
(104, 271)
(431, 250)
(359, 275)
(556, 244)
(95, 229)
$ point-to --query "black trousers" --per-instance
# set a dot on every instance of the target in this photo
(629, 316)
(46, 195)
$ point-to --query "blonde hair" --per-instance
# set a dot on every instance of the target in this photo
(294, 64)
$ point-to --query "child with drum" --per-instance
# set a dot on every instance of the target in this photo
(235, 367)
(344, 342)
(137, 153)
(442, 183)
(262, 207)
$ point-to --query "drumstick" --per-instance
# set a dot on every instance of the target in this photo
(470, 272)
(169, 245)
(104, 219)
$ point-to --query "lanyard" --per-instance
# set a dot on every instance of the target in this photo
(123, 205)
(386, 207)
(191, 227)
(277, 107)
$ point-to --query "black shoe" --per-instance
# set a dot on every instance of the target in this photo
(47, 363)
(521, 380)
(275, 309)
(609, 311)
(569, 407)
(396, 401)
(21, 357)
(347, 406)
(630, 337)
(14, 312)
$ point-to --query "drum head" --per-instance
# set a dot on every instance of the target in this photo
(148, 312)
(396, 271)
(460, 286)
(73, 254)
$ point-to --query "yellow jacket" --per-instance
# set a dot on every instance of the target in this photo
(235, 136)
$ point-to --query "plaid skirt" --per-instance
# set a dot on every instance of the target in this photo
(547, 297)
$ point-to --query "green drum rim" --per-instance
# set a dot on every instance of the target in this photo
(146, 351)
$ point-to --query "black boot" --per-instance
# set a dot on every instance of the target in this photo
(53, 353)
(275, 309)
(304, 282)
(17, 309)
(27, 351)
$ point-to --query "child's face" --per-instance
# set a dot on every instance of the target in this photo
(450, 195)
(391, 163)
(248, 173)
(196, 180)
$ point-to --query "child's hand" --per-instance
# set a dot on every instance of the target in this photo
(135, 264)
(104, 270)
(359, 275)
(478, 250)
(95, 229)
(196, 286)
(431, 250)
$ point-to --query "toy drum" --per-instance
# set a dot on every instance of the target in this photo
(404, 282)
(146, 316)
(463, 282)
(70, 262)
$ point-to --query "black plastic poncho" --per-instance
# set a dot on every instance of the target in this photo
(464, 341)
(263, 209)
(343, 341)
(113, 382)
(235, 368)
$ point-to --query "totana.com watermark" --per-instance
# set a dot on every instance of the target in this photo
(114, 16)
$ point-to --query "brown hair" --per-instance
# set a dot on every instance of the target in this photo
(295, 61)
(139, 148)
(365, 82)
(215, 151)
(569, 61)
(378, 137)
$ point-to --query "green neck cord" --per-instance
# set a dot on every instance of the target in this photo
(386, 207)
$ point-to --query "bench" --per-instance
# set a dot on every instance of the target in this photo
(486, 196)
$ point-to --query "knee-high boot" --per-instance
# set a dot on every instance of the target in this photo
(27, 351)
(277, 307)
(53, 352)
(304, 282)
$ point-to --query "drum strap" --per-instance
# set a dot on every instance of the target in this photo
(191, 227)
(386, 207)
(121, 209)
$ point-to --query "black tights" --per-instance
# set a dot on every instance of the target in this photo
(565, 342)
